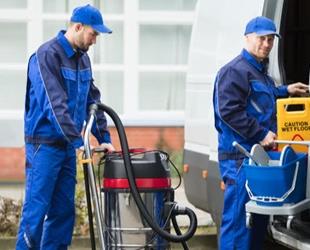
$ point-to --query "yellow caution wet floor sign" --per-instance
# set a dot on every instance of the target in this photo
(293, 120)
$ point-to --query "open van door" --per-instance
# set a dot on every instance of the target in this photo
(217, 37)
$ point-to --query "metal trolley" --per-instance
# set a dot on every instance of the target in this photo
(152, 203)
(289, 214)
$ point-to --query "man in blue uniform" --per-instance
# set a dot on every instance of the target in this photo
(244, 105)
(60, 90)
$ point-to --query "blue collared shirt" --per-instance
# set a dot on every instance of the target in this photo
(59, 91)
(63, 41)
(244, 103)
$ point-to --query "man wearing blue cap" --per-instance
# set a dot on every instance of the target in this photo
(60, 89)
(244, 106)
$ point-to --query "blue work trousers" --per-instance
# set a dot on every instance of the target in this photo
(48, 214)
(233, 233)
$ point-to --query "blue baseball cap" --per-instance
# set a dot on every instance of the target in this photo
(91, 16)
(261, 26)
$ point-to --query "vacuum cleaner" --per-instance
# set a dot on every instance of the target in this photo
(138, 200)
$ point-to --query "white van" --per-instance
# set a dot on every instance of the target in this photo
(217, 37)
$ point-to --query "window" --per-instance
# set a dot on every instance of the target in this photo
(110, 85)
(164, 49)
(62, 6)
(109, 47)
(167, 5)
(51, 28)
(12, 89)
(173, 49)
(112, 6)
(140, 68)
(13, 4)
(13, 39)
(162, 91)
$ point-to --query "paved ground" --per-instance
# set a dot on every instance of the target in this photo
(204, 219)
(200, 242)
(197, 243)
(204, 239)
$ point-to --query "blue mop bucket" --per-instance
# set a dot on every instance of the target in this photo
(277, 185)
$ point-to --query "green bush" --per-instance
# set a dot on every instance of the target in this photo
(9, 219)
(81, 227)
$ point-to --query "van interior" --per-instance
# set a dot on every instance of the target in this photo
(295, 43)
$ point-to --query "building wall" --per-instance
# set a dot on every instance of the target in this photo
(169, 138)
(166, 138)
(140, 68)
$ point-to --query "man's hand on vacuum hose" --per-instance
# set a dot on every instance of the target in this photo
(269, 141)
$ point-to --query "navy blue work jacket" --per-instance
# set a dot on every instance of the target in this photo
(59, 91)
(244, 102)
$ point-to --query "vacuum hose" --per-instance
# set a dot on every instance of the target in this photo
(135, 193)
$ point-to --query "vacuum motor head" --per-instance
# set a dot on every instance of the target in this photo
(151, 170)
